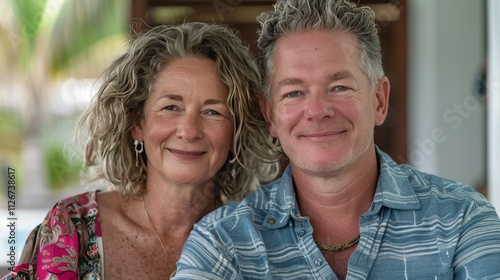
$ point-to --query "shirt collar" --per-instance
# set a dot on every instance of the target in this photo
(395, 185)
(394, 190)
(284, 203)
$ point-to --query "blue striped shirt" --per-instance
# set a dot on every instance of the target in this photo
(419, 226)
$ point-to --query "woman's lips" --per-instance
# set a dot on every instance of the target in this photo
(186, 155)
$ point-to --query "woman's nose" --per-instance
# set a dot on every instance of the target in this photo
(189, 127)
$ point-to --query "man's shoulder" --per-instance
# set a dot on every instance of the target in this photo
(400, 181)
(421, 180)
(418, 179)
(442, 191)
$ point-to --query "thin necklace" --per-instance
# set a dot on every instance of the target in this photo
(157, 235)
(338, 248)
(159, 239)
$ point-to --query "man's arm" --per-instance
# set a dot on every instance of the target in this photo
(203, 257)
(477, 254)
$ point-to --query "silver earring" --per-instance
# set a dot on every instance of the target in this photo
(139, 148)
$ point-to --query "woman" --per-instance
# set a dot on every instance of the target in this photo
(175, 130)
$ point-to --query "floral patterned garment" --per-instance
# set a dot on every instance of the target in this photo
(65, 244)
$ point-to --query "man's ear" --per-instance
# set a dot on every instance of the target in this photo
(381, 100)
(267, 112)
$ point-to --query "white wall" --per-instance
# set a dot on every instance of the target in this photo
(447, 119)
(493, 88)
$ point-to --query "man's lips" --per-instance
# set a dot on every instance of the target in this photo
(321, 135)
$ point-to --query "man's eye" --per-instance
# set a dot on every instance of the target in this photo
(293, 94)
(340, 88)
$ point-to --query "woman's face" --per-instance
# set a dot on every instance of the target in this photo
(187, 128)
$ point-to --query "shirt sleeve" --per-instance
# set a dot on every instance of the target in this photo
(203, 257)
(27, 260)
(50, 251)
(477, 254)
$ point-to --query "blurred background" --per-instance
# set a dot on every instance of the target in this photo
(440, 57)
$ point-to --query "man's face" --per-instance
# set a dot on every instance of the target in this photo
(322, 107)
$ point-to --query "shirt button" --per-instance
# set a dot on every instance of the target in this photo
(301, 232)
(271, 221)
(318, 262)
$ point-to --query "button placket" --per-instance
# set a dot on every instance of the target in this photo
(301, 232)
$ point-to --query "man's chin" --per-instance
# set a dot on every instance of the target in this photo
(317, 166)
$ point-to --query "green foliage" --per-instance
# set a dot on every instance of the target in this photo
(71, 27)
(91, 21)
(61, 169)
(47, 36)
(10, 121)
(10, 142)
(30, 14)
(11, 128)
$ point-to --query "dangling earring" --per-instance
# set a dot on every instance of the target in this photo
(139, 148)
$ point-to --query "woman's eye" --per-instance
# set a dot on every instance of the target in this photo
(170, 108)
(213, 112)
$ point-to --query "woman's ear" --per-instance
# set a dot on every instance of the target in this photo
(137, 131)
(267, 112)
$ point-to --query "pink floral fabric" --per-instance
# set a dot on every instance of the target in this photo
(64, 245)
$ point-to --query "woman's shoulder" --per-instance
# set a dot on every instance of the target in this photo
(83, 205)
(69, 230)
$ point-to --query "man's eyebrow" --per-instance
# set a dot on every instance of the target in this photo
(340, 75)
(296, 81)
(289, 82)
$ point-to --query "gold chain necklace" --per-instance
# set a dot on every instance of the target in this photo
(338, 248)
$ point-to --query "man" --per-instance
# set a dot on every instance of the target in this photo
(343, 209)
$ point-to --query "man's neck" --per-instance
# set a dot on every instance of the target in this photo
(337, 201)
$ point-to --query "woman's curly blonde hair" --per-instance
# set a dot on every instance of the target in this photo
(105, 127)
